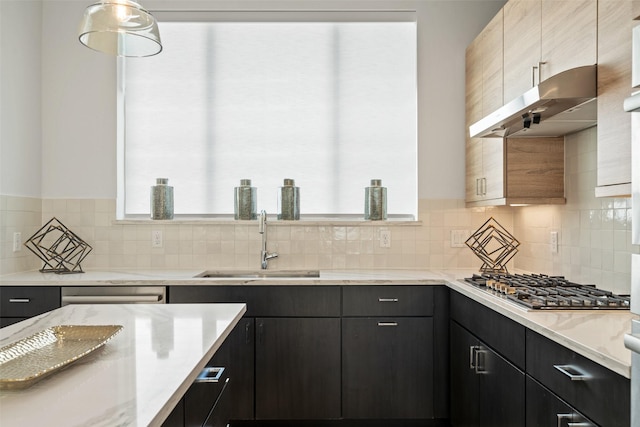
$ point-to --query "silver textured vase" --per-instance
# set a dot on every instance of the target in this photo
(375, 201)
(245, 201)
(162, 199)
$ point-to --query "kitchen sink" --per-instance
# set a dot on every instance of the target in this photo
(258, 274)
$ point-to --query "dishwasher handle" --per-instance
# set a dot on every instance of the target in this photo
(110, 299)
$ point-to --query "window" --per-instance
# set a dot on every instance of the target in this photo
(329, 104)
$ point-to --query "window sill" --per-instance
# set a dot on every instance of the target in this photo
(273, 222)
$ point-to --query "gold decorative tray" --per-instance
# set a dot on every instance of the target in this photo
(29, 360)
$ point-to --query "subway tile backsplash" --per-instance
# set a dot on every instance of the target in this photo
(594, 235)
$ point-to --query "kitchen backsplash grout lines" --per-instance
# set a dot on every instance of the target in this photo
(594, 235)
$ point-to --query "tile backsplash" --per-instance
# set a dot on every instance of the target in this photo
(594, 235)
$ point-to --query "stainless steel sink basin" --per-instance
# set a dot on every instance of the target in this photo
(258, 274)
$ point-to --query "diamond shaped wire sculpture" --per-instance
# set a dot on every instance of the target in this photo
(59, 248)
(494, 245)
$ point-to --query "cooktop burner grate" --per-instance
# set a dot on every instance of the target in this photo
(539, 291)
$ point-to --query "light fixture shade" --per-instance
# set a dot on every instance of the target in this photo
(120, 27)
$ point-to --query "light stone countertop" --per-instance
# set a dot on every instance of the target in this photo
(595, 334)
(136, 379)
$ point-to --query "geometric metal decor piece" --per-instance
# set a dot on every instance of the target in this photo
(59, 248)
(494, 245)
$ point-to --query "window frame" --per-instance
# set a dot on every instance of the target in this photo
(253, 16)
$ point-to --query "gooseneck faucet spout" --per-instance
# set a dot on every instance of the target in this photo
(265, 256)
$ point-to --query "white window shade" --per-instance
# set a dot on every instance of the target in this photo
(329, 104)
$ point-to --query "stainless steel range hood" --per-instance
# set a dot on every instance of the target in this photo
(560, 105)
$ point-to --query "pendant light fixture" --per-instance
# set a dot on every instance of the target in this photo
(121, 28)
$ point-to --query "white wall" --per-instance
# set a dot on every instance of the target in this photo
(78, 109)
(78, 97)
(20, 98)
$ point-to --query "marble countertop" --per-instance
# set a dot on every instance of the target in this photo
(597, 335)
(188, 277)
(136, 379)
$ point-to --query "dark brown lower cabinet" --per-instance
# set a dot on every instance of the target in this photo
(297, 368)
(294, 340)
(486, 389)
(545, 409)
(18, 303)
(237, 356)
(387, 367)
(205, 404)
(595, 391)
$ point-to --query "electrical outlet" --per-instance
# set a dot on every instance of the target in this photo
(17, 241)
(553, 242)
(156, 239)
(385, 238)
(458, 237)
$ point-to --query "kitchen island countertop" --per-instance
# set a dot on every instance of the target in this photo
(136, 379)
(595, 334)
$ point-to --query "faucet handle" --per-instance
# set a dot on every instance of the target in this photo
(263, 222)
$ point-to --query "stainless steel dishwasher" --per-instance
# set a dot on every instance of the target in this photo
(113, 295)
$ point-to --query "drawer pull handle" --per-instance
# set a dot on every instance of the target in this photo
(480, 355)
(563, 417)
(582, 424)
(387, 299)
(210, 375)
(571, 372)
(472, 356)
(387, 323)
(20, 300)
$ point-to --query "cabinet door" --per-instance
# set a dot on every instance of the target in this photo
(473, 171)
(486, 390)
(387, 367)
(569, 35)
(236, 355)
(465, 383)
(544, 408)
(492, 82)
(485, 169)
(535, 168)
(614, 85)
(521, 46)
(502, 390)
(297, 368)
(493, 168)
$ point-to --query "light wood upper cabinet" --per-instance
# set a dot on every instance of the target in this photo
(614, 85)
(545, 37)
(484, 94)
(492, 77)
(569, 35)
(519, 171)
(522, 33)
(501, 171)
(535, 170)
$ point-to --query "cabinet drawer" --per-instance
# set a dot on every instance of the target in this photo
(28, 301)
(597, 392)
(499, 332)
(546, 409)
(266, 301)
(387, 300)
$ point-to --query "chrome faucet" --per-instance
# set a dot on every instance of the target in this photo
(265, 256)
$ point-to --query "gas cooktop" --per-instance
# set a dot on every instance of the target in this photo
(539, 291)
